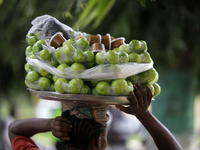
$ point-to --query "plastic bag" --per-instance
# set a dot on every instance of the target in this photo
(99, 72)
(46, 26)
(111, 59)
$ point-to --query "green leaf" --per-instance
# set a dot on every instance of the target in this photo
(1, 2)
(68, 14)
(87, 11)
(91, 16)
(103, 8)
(142, 2)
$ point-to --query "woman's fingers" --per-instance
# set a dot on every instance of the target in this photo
(145, 99)
(137, 90)
(63, 124)
(134, 100)
(62, 129)
(61, 135)
(62, 119)
(124, 109)
(140, 100)
(149, 94)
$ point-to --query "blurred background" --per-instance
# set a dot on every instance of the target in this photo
(172, 32)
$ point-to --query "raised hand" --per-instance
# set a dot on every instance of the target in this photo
(61, 128)
(139, 101)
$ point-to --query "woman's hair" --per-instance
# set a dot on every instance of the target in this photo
(83, 131)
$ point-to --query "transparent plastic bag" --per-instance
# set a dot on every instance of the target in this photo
(99, 72)
(111, 59)
(46, 26)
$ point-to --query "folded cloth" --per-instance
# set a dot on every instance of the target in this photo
(88, 111)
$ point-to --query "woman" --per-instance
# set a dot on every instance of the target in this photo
(73, 130)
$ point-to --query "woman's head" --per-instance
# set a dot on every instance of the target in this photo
(85, 133)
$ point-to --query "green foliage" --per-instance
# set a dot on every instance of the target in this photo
(15, 21)
(96, 10)
(170, 28)
(142, 2)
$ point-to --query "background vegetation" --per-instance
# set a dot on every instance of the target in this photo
(170, 28)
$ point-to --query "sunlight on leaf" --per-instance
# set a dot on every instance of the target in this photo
(68, 14)
(87, 10)
(96, 10)
(103, 8)
(1, 2)
(142, 2)
(91, 16)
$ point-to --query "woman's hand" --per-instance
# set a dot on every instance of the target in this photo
(139, 101)
(61, 128)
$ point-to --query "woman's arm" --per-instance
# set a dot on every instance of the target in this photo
(163, 138)
(140, 101)
(28, 127)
